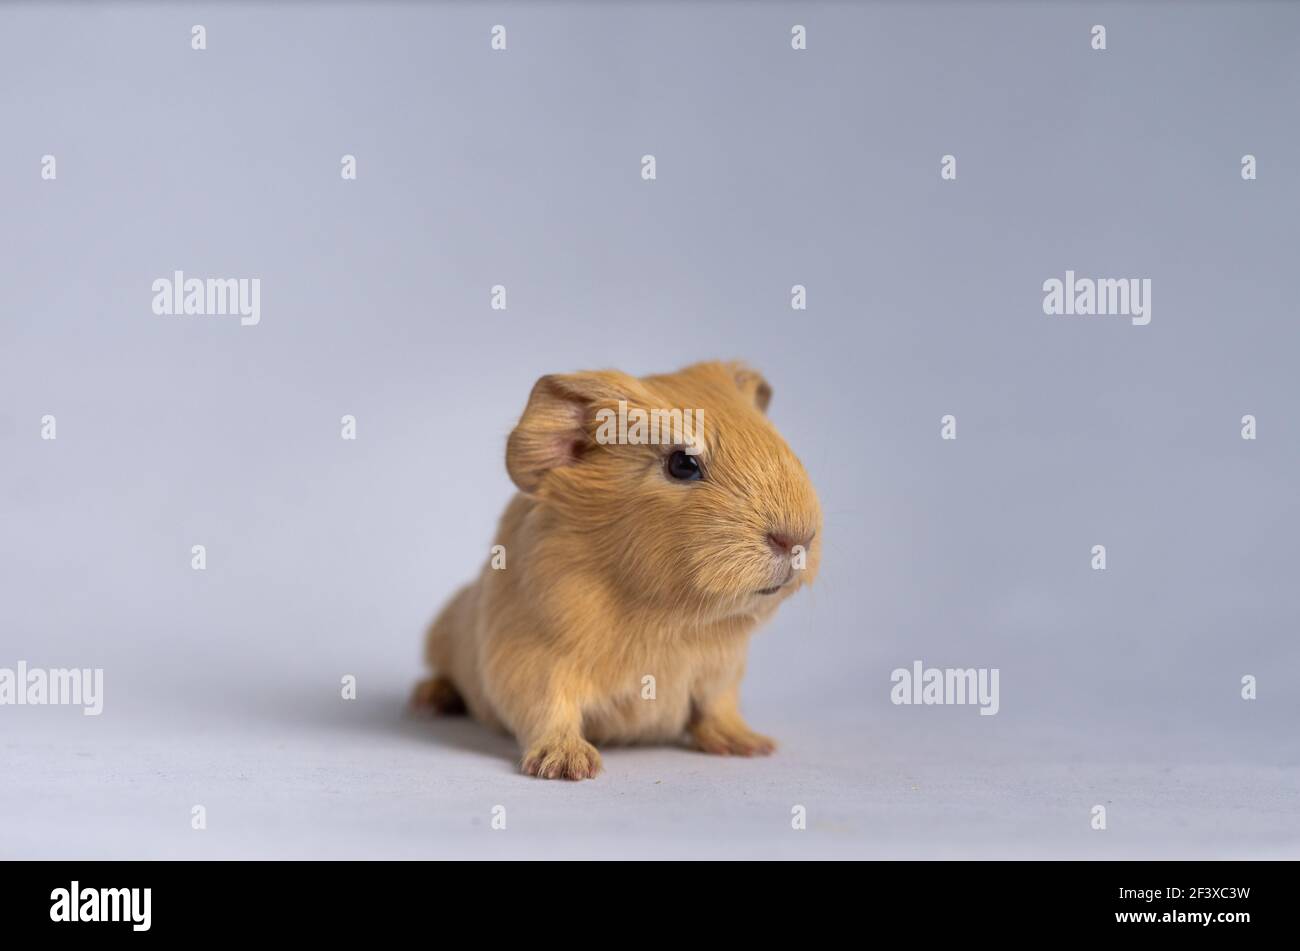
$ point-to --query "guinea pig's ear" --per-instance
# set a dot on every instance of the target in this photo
(559, 422)
(752, 385)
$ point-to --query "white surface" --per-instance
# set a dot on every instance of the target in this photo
(294, 777)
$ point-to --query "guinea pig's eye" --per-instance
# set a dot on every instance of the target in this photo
(683, 467)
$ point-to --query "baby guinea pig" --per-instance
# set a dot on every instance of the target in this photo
(633, 572)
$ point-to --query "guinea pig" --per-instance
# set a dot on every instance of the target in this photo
(630, 569)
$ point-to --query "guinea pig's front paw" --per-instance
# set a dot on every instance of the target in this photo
(569, 757)
(728, 738)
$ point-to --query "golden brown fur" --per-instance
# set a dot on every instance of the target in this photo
(615, 571)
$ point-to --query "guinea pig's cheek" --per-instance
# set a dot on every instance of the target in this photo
(715, 574)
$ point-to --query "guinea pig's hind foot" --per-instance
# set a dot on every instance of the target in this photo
(727, 737)
(438, 695)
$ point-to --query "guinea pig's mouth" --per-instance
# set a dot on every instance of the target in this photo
(775, 588)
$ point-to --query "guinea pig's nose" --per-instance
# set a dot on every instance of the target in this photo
(783, 542)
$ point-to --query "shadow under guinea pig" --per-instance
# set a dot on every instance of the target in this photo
(390, 714)
(386, 713)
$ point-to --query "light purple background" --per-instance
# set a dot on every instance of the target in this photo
(775, 167)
